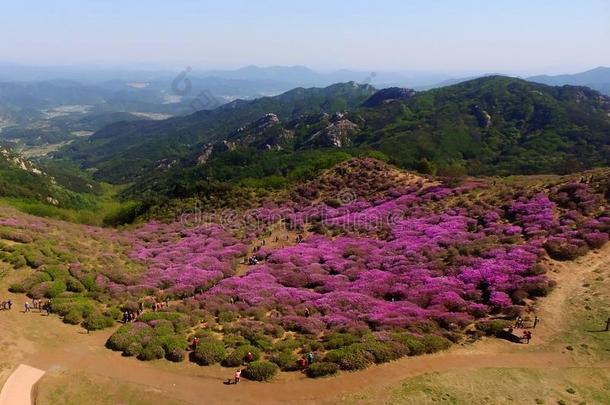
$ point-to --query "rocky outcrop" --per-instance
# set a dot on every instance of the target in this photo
(482, 116)
(17, 161)
(338, 133)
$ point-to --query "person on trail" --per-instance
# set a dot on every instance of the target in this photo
(607, 323)
(9, 304)
(48, 307)
(527, 335)
(26, 307)
(309, 358)
(536, 322)
(237, 375)
(307, 313)
(249, 357)
(302, 363)
(125, 317)
(519, 322)
(195, 342)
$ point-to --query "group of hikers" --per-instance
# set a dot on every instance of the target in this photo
(520, 324)
(303, 363)
(6, 305)
(255, 259)
(130, 315)
(38, 305)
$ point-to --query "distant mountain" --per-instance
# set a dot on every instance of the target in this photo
(123, 152)
(597, 79)
(494, 125)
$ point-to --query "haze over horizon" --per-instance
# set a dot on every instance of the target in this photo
(474, 36)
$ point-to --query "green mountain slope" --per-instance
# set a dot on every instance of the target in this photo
(123, 152)
(495, 125)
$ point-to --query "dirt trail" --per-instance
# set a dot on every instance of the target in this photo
(18, 388)
(46, 343)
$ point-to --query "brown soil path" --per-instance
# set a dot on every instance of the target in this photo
(46, 343)
(18, 388)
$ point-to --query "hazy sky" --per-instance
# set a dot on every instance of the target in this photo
(440, 35)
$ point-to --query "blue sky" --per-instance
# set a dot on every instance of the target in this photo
(442, 36)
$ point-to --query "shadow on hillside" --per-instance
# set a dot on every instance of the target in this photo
(511, 337)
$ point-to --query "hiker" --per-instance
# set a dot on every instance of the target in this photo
(302, 363)
(607, 323)
(26, 306)
(48, 307)
(307, 313)
(237, 375)
(309, 358)
(527, 335)
(519, 322)
(195, 343)
(125, 317)
(249, 357)
(536, 321)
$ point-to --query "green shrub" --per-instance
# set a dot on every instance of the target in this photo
(227, 316)
(237, 356)
(176, 355)
(338, 340)
(97, 321)
(134, 349)
(163, 327)
(260, 371)
(353, 357)
(114, 313)
(321, 369)
(151, 352)
(435, 343)
(413, 344)
(181, 322)
(74, 317)
(234, 340)
(210, 351)
(261, 341)
(383, 352)
(17, 288)
(73, 285)
(286, 360)
(171, 343)
(55, 288)
(286, 344)
(492, 327)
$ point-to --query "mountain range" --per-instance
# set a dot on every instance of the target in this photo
(597, 79)
(494, 125)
